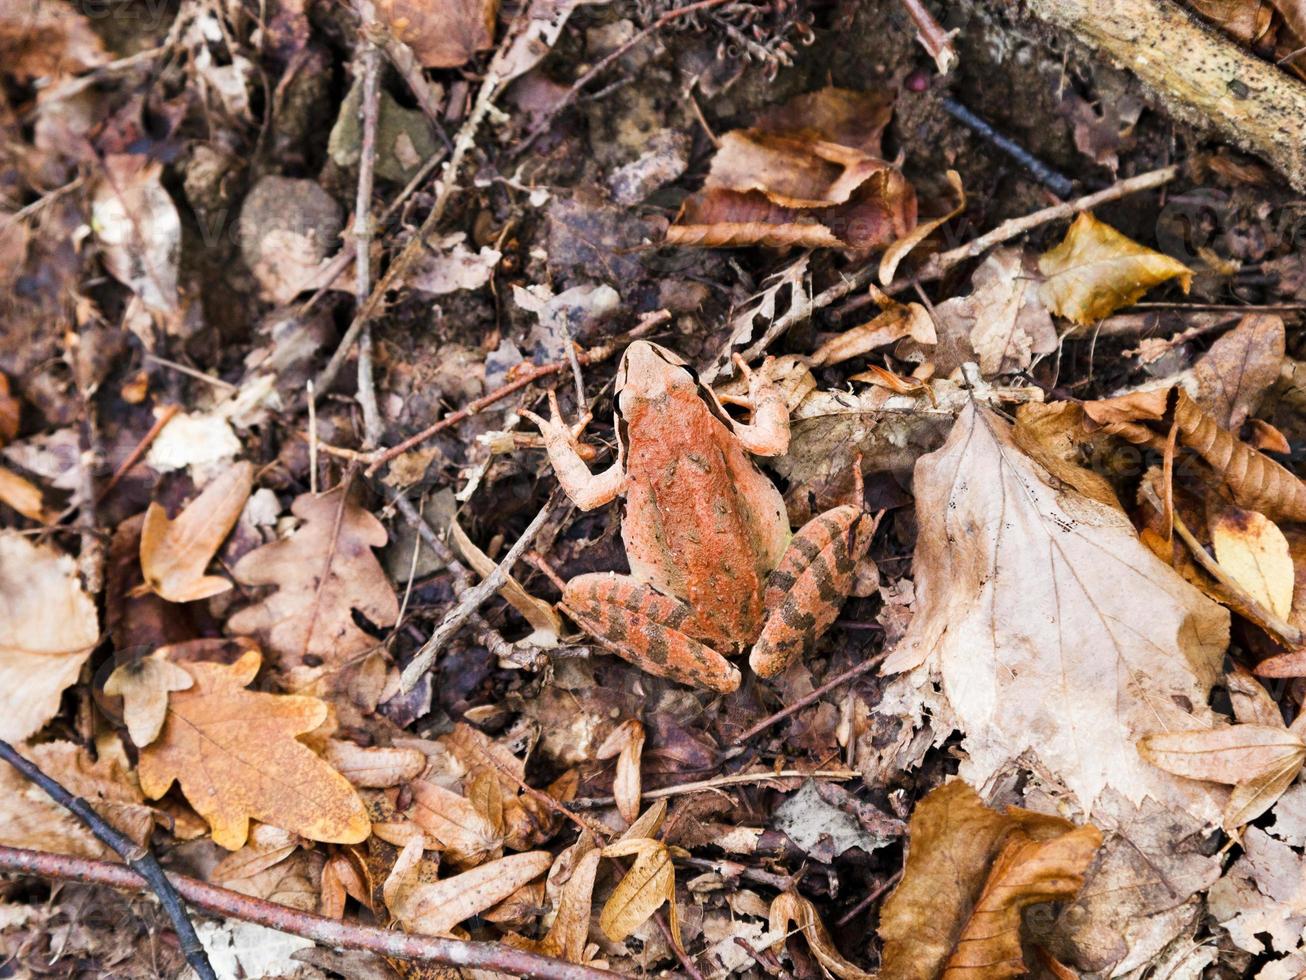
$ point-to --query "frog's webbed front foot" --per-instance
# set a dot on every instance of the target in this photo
(587, 490)
(807, 589)
(647, 628)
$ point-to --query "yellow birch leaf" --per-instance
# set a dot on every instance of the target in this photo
(1255, 554)
(174, 553)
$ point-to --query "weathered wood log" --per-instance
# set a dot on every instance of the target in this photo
(1202, 77)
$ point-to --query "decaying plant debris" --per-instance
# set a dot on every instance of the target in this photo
(332, 333)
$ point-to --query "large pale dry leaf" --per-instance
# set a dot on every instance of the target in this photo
(445, 34)
(467, 835)
(790, 907)
(144, 685)
(1254, 553)
(139, 230)
(48, 627)
(1261, 901)
(325, 573)
(435, 907)
(970, 872)
(30, 818)
(650, 881)
(1235, 373)
(236, 756)
(1096, 270)
(1058, 636)
(175, 552)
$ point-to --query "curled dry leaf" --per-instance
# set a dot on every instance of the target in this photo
(650, 881)
(445, 34)
(1254, 553)
(1058, 636)
(1096, 271)
(627, 743)
(139, 230)
(790, 907)
(325, 573)
(466, 834)
(175, 552)
(236, 756)
(435, 907)
(899, 250)
(144, 685)
(48, 627)
(1004, 317)
(809, 173)
(546, 625)
(897, 320)
(970, 873)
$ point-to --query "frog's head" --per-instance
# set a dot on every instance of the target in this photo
(648, 371)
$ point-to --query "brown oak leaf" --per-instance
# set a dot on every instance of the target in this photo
(236, 755)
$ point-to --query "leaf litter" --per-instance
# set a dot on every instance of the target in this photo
(1056, 727)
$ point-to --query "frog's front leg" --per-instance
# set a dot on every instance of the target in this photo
(651, 630)
(807, 589)
(768, 433)
(587, 490)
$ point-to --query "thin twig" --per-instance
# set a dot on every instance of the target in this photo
(319, 928)
(871, 896)
(940, 263)
(369, 109)
(469, 602)
(192, 373)
(864, 667)
(137, 856)
(1055, 181)
(718, 782)
(599, 66)
(592, 356)
(134, 457)
(934, 39)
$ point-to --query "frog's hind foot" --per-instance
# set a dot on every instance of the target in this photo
(645, 627)
(807, 589)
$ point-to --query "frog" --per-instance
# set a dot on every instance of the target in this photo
(714, 565)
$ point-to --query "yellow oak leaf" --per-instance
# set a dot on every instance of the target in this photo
(144, 686)
(175, 552)
(971, 870)
(1096, 270)
(236, 756)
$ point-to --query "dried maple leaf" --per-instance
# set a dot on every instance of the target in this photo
(445, 34)
(809, 173)
(325, 573)
(236, 756)
(1254, 553)
(1096, 270)
(970, 872)
(48, 627)
(175, 552)
(1058, 636)
(144, 685)
(435, 907)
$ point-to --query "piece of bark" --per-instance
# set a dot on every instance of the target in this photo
(1202, 77)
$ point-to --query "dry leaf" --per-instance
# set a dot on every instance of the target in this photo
(790, 907)
(1231, 378)
(325, 573)
(30, 818)
(236, 756)
(374, 767)
(897, 320)
(144, 685)
(1096, 270)
(568, 936)
(23, 496)
(445, 34)
(899, 250)
(467, 835)
(139, 230)
(1004, 316)
(1051, 434)
(627, 743)
(47, 39)
(1260, 901)
(266, 847)
(650, 881)
(1254, 553)
(175, 552)
(970, 873)
(546, 625)
(808, 174)
(48, 627)
(1058, 636)
(435, 907)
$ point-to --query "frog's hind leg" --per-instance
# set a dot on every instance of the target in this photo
(807, 589)
(647, 628)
